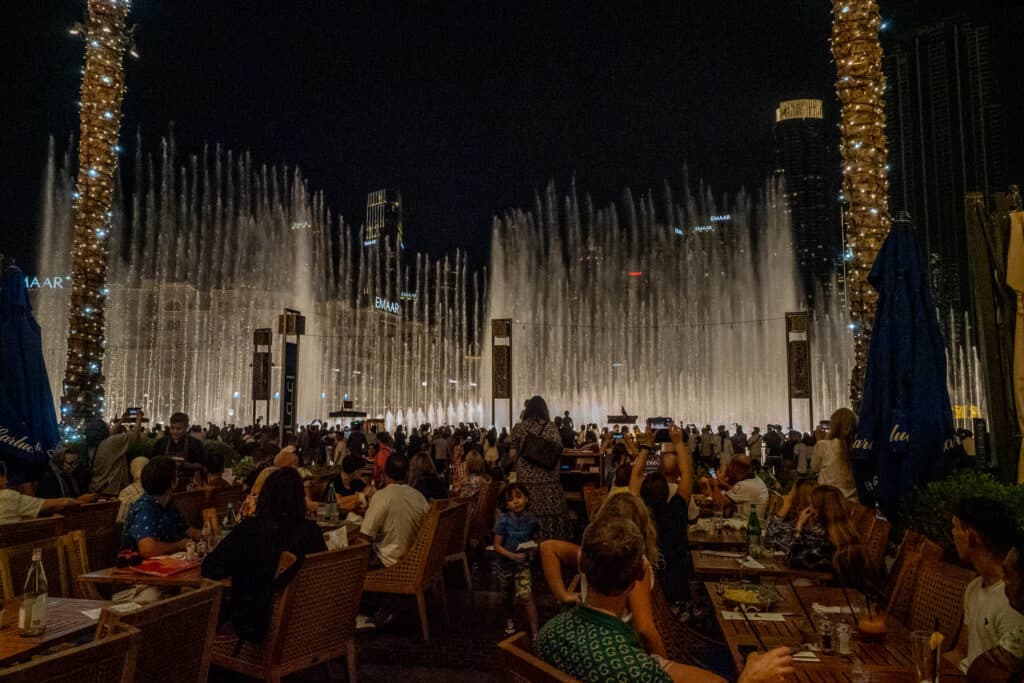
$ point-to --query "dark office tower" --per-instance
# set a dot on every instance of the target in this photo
(383, 242)
(945, 133)
(804, 161)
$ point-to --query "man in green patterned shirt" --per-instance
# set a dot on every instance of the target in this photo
(593, 644)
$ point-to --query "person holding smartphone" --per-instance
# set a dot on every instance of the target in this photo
(110, 465)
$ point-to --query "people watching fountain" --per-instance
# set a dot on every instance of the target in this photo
(831, 457)
(547, 499)
(755, 446)
(110, 464)
(723, 447)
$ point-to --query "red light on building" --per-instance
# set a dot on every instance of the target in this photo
(635, 273)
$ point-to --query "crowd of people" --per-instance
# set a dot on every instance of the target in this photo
(635, 543)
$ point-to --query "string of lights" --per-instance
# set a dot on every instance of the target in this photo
(859, 86)
(106, 38)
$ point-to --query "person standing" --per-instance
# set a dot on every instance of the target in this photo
(755, 446)
(547, 499)
(110, 467)
(831, 457)
(357, 444)
(178, 443)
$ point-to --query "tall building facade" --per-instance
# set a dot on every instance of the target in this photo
(805, 162)
(383, 243)
(945, 129)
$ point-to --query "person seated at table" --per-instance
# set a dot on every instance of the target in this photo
(248, 507)
(826, 540)
(215, 471)
(779, 529)
(740, 487)
(1005, 662)
(153, 525)
(424, 478)
(19, 507)
(133, 491)
(61, 478)
(394, 515)
(592, 642)
(554, 554)
(476, 475)
(250, 554)
(983, 535)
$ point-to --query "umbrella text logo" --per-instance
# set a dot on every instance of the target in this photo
(20, 443)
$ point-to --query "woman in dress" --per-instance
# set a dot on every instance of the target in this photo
(826, 540)
(831, 457)
(547, 499)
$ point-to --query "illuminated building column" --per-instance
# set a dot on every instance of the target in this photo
(106, 38)
(859, 86)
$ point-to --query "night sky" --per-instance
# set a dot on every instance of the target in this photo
(467, 107)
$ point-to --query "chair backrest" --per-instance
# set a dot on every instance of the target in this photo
(410, 570)
(176, 635)
(447, 526)
(457, 541)
(522, 666)
(220, 498)
(314, 617)
(593, 498)
(15, 562)
(775, 503)
(914, 551)
(30, 530)
(939, 598)
(104, 660)
(483, 516)
(875, 544)
(190, 504)
(99, 523)
(74, 549)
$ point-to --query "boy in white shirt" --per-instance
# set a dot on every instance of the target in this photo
(983, 535)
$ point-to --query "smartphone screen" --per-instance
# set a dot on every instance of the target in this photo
(132, 412)
(712, 473)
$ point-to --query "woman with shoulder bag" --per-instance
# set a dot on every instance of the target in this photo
(536, 449)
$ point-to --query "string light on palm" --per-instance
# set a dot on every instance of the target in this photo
(860, 88)
(106, 39)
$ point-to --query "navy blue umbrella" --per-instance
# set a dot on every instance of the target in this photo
(906, 421)
(28, 423)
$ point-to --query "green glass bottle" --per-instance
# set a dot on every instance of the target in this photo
(753, 534)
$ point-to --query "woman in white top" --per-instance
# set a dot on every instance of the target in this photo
(831, 457)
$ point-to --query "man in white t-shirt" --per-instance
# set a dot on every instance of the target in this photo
(18, 507)
(394, 515)
(983, 538)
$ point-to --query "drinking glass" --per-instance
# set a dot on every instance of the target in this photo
(926, 661)
(718, 523)
(321, 514)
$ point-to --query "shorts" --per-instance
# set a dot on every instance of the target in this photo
(515, 578)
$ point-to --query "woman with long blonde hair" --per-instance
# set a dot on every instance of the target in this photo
(826, 539)
(831, 457)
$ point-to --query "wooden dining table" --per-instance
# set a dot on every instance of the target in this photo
(699, 537)
(887, 659)
(190, 578)
(718, 563)
(64, 622)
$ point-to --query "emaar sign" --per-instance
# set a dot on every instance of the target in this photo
(392, 307)
(54, 282)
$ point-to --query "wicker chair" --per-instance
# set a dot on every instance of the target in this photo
(74, 549)
(222, 497)
(17, 533)
(460, 538)
(186, 623)
(313, 620)
(421, 568)
(190, 504)
(522, 666)
(99, 523)
(775, 502)
(939, 599)
(593, 499)
(484, 513)
(682, 643)
(915, 550)
(100, 661)
(16, 561)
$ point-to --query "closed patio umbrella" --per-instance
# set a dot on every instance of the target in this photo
(906, 420)
(1015, 279)
(28, 424)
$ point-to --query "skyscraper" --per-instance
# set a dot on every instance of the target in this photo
(383, 242)
(803, 159)
(945, 132)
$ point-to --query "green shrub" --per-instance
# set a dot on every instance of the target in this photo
(229, 454)
(142, 448)
(929, 511)
(242, 468)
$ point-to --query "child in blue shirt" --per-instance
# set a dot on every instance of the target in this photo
(516, 525)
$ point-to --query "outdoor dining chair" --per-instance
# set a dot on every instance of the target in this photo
(104, 660)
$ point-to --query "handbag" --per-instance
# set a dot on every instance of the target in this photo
(541, 452)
